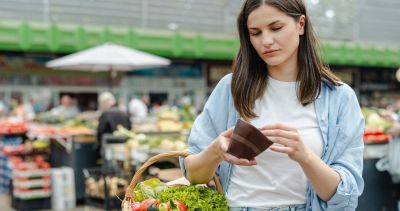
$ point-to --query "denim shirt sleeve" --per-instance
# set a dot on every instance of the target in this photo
(347, 156)
(212, 121)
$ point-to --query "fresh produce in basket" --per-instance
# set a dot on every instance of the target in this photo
(153, 194)
(156, 205)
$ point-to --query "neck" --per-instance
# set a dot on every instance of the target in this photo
(287, 71)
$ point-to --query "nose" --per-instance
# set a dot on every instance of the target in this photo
(267, 39)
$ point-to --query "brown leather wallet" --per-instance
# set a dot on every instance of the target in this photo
(247, 141)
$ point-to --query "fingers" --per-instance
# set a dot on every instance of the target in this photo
(286, 150)
(225, 138)
(278, 126)
(283, 141)
(239, 161)
(224, 144)
(293, 135)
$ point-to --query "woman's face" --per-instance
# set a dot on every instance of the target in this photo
(274, 35)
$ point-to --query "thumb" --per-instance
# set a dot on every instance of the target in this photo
(228, 133)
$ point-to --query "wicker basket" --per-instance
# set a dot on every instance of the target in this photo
(129, 191)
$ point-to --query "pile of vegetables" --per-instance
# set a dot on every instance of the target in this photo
(377, 119)
(377, 123)
(154, 195)
(142, 141)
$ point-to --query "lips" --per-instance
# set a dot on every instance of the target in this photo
(270, 52)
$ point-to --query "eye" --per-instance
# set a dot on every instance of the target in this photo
(254, 33)
(276, 28)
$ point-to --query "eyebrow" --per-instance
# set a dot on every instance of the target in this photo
(252, 28)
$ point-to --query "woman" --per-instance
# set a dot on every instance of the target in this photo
(280, 85)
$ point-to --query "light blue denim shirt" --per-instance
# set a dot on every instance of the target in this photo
(341, 123)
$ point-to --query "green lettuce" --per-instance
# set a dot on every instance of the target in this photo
(196, 198)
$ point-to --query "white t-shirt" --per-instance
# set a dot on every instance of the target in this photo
(137, 110)
(276, 180)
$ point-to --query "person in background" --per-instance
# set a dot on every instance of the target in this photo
(137, 109)
(396, 108)
(3, 108)
(110, 117)
(280, 85)
(22, 110)
(394, 130)
(67, 107)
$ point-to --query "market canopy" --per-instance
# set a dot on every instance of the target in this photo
(108, 57)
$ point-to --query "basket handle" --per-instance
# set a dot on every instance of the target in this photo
(151, 161)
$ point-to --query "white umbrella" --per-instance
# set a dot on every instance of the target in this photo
(108, 57)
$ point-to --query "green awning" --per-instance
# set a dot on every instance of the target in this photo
(67, 38)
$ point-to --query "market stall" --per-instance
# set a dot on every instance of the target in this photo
(380, 192)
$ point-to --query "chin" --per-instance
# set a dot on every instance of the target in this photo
(273, 62)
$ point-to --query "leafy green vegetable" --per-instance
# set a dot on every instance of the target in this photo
(196, 198)
(148, 189)
(153, 182)
(137, 194)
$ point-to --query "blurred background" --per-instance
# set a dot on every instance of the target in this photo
(56, 111)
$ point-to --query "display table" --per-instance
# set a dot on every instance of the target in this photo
(379, 191)
(80, 154)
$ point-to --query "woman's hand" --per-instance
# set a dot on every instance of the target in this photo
(322, 177)
(289, 139)
(220, 146)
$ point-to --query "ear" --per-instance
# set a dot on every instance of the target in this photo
(302, 23)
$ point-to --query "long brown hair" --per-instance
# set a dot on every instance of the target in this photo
(250, 76)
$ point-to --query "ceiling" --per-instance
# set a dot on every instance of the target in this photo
(354, 20)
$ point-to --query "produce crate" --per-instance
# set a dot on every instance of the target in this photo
(33, 173)
(5, 171)
(31, 183)
(31, 179)
(31, 194)
(104, 187)
(13, 127)
(25, 202)
(38, 169)
(29, 205)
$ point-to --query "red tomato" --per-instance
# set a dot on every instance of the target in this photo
(376, 138)
(39, 159)
(179, 204)
(147, 203)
